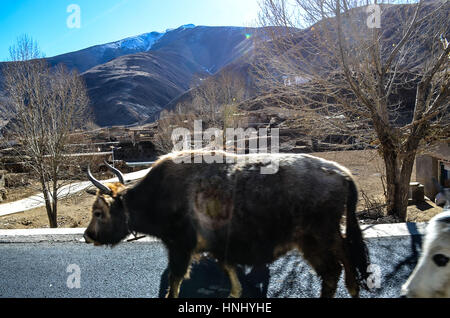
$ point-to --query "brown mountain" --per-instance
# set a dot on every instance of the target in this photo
(134, 88)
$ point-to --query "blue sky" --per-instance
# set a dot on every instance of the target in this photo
(105, 21)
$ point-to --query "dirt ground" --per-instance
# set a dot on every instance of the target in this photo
(22, 192)
(366, 167)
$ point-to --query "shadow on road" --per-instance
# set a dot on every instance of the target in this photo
(416, 247)
(291, 277)
(207, 280)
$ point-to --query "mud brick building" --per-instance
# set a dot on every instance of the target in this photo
(434, 163)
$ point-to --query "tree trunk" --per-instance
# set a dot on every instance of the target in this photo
(51, 216)
(398, 177)
(48, 205)
(55, 206)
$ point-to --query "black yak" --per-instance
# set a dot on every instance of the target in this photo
(239, 215)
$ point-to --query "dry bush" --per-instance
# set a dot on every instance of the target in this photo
(374, 208)
(166, 125)
(214, 101)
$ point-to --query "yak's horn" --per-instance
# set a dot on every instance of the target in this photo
(116, 172)
(97, 183)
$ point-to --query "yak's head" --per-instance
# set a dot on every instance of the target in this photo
(109, 223)
(431, 277)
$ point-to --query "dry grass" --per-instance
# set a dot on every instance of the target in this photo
(22, 192)
(368, 168)
(74, 211)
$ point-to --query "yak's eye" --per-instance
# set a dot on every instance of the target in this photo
(98, 214)
(440, 260)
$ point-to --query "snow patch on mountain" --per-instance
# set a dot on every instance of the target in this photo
(181, 28)
(143, 42)
(187, 26)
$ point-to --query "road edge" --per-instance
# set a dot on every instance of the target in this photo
(76, 234)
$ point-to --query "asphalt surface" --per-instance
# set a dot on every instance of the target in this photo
(139, 270)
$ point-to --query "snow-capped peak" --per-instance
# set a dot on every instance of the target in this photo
(187, 26)
(183, 27)
(143, 42)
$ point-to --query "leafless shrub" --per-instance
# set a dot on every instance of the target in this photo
(374, 208)
(166, 125)
(214, 101)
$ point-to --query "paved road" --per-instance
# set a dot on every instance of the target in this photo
(140, 270)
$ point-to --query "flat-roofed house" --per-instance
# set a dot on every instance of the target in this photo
(434, 163)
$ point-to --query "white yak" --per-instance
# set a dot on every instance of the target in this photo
(431, 277)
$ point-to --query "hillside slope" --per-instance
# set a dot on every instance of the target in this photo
(134, 88)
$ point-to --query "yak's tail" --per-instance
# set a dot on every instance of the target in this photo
(357, 249)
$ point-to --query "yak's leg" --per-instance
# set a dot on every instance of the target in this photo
(329, 269)
(236, 289)
(179, 263)
(325, 263)
(350, 270)
(174, 286)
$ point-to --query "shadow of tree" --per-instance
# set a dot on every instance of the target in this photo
(413, 257)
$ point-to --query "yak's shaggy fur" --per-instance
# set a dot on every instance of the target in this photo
(240, 216)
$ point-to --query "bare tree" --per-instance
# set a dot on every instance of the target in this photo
(211, 97)
(168, 122)
(386, 85)
(213, 100)
(47, 105)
